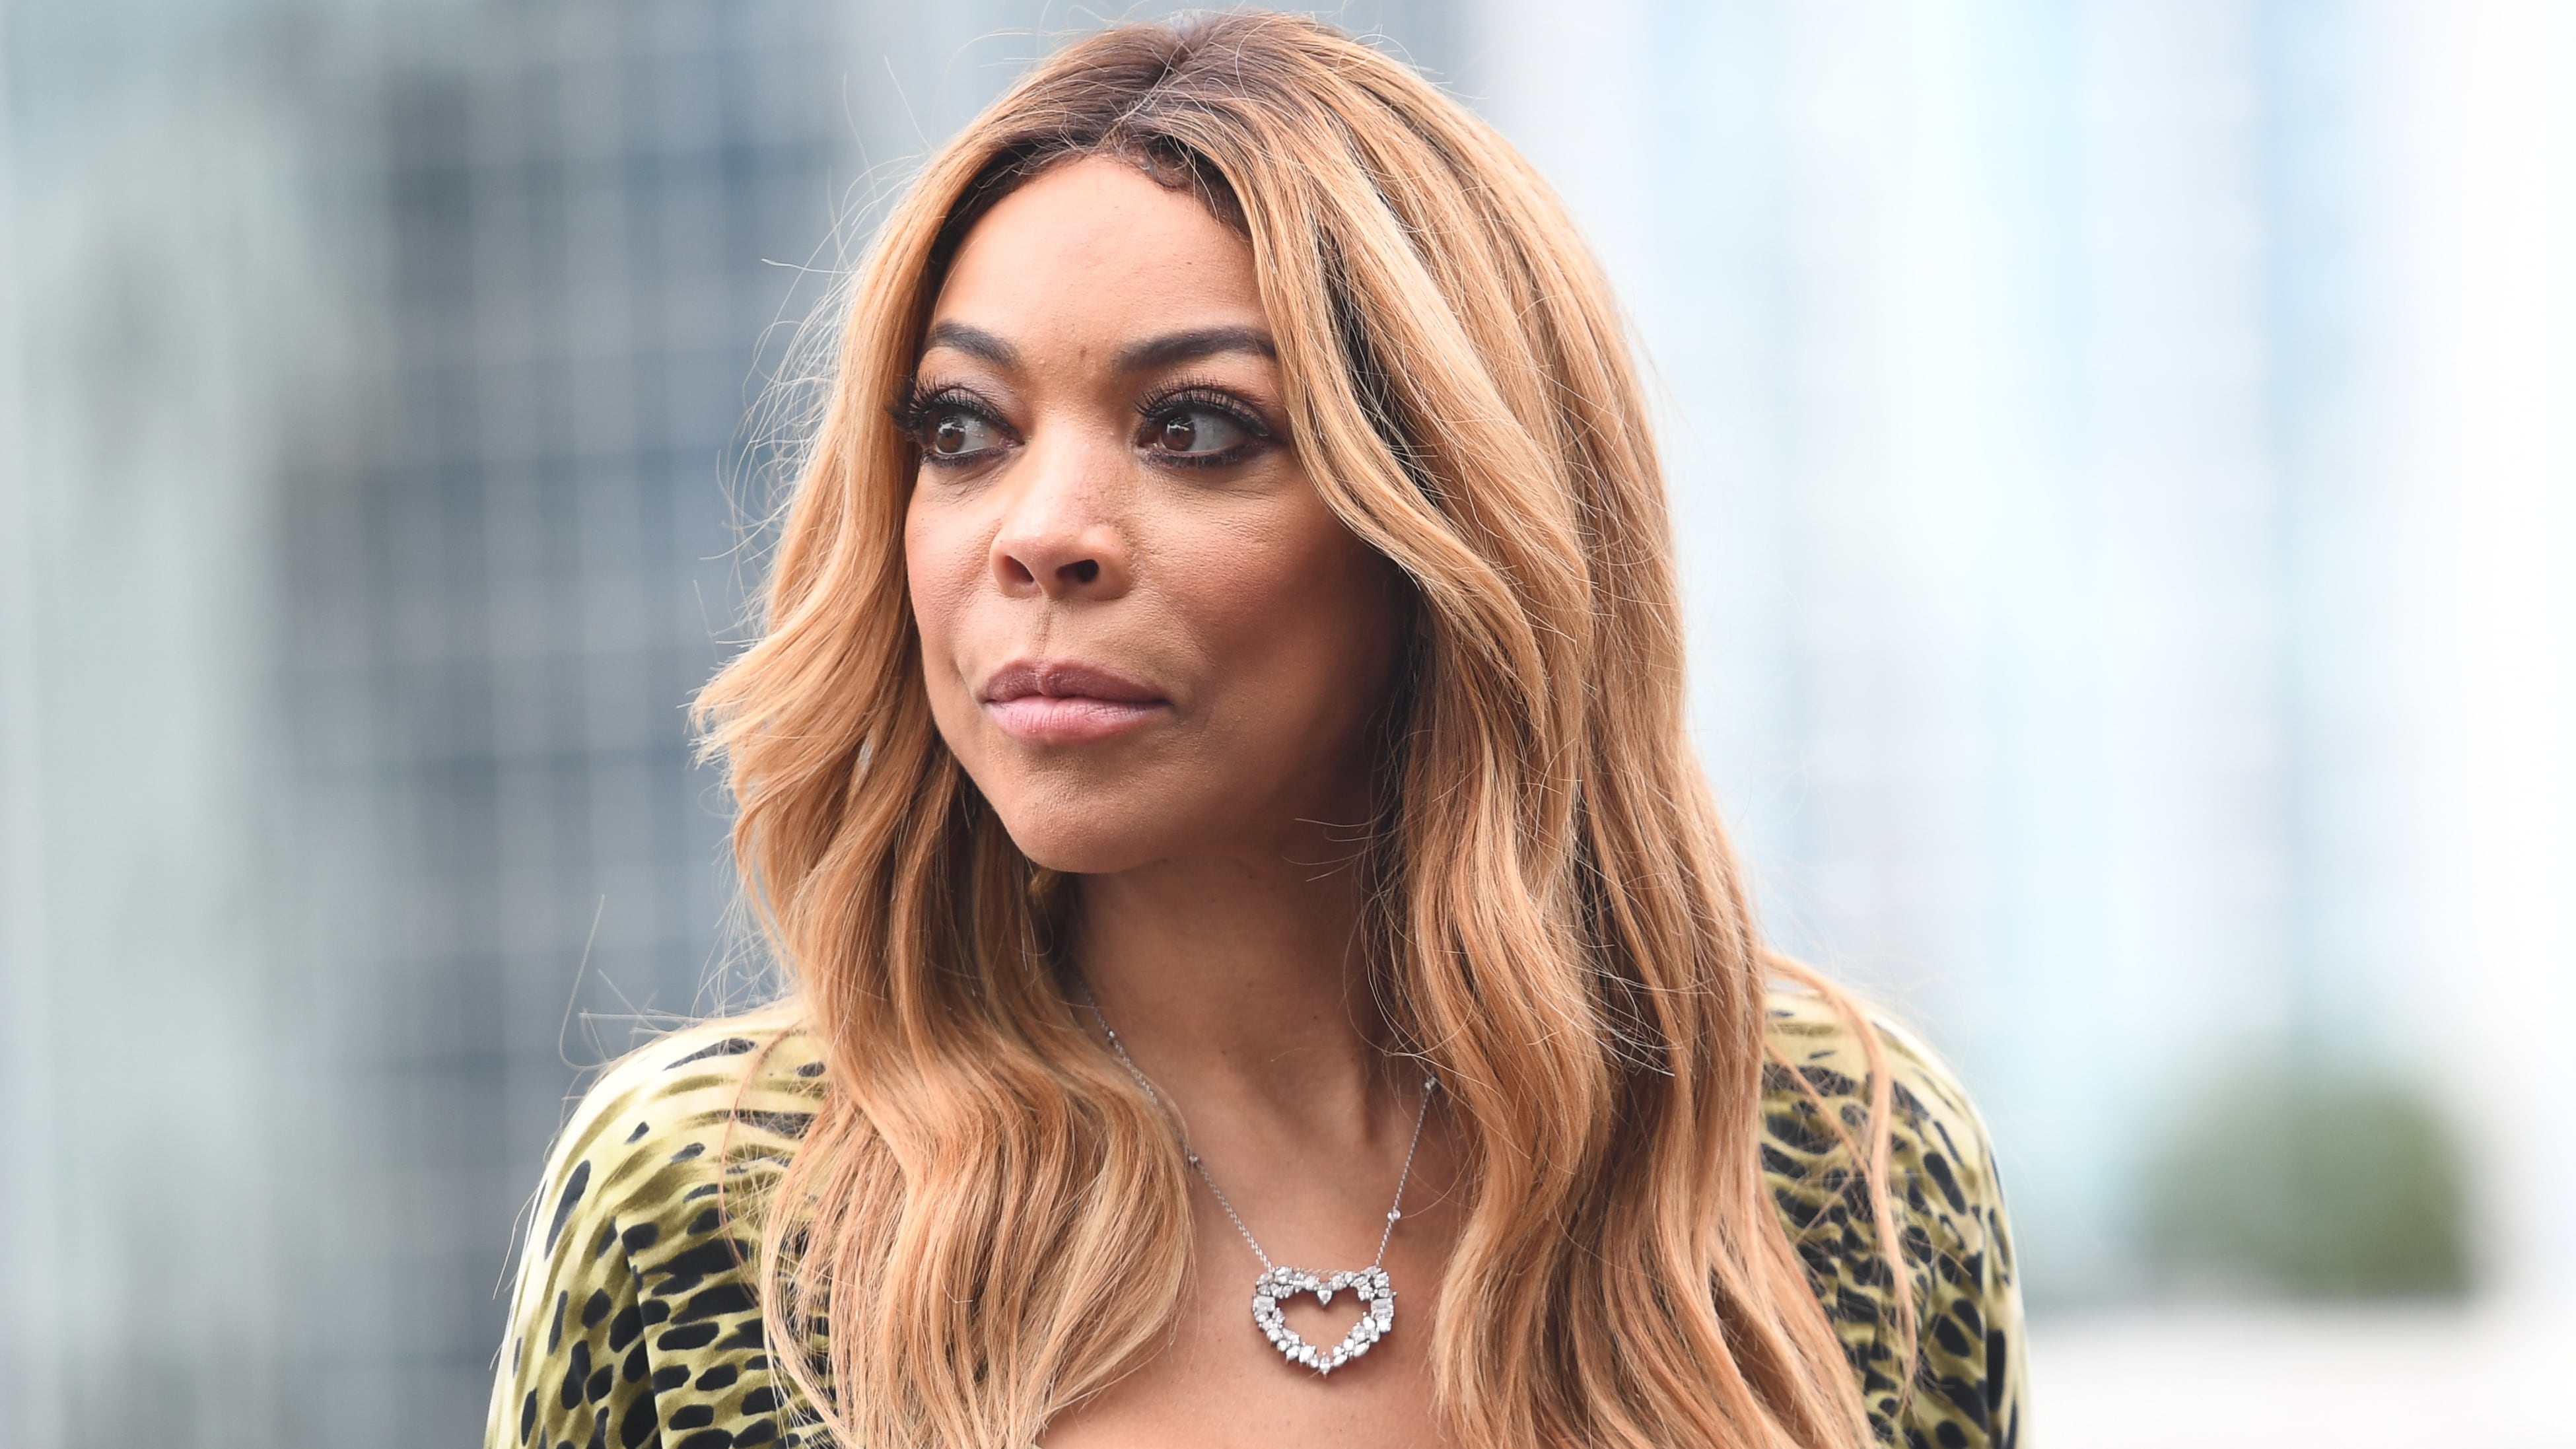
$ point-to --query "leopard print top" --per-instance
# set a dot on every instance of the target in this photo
(635, 1322)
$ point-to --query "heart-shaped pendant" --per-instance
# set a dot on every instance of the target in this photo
(1377, 1313)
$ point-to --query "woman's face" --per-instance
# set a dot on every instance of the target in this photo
(1143, 633)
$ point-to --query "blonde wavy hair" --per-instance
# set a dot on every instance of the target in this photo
(991, 1216)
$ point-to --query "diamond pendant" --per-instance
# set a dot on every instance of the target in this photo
(1377, 1314)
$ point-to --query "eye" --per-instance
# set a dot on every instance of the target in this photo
(1199, 430)
(1196, 431)
(954, 434)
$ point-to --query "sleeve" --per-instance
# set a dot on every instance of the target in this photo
(1971, 1375)
(1966, 1385)
(574, 1370)
(636, 1321)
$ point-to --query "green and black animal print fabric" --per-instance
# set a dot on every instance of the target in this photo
(636, 1320)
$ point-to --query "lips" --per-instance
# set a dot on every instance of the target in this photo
(1058, 701)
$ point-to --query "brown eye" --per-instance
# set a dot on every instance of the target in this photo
(955, 434)
(1198, 432)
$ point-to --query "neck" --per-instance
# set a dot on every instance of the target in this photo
(1241, 988)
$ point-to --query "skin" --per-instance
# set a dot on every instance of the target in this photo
(1163, 674)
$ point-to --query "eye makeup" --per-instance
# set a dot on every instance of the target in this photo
(1186, 424)
(951, 425)
(1176, 426)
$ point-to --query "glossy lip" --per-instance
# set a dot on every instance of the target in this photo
(1064, 701)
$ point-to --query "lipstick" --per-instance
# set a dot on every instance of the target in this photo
(1064, 702)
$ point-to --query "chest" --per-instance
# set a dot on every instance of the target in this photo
(1217, 1382)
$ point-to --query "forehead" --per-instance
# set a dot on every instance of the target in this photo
(1094, 252)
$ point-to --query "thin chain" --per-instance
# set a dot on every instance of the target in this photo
(1392, 1214)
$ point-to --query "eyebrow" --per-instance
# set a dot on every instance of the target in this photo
(1143, 356)
(974, 342)
(1189, 346)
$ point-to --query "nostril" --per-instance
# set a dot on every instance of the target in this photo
(1087, 571)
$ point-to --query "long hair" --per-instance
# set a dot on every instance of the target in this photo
(987, 1220)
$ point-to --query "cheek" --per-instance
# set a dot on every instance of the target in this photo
(1305, 621)
(943, 559)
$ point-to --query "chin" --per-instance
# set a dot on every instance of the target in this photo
(1080, 837)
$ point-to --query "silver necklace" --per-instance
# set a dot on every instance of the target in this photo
(1375, 1292)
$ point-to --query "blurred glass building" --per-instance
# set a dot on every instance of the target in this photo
(2120, 466)
(411, 353)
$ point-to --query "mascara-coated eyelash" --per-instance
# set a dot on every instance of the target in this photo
(1168, 408)
(927, 417)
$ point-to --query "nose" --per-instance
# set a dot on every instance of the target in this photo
(1060, 537)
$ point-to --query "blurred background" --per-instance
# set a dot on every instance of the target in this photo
(2124, 455)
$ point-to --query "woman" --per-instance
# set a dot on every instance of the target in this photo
(1264, 964)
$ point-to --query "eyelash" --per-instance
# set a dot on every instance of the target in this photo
(916, 408)
(1215, 399)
